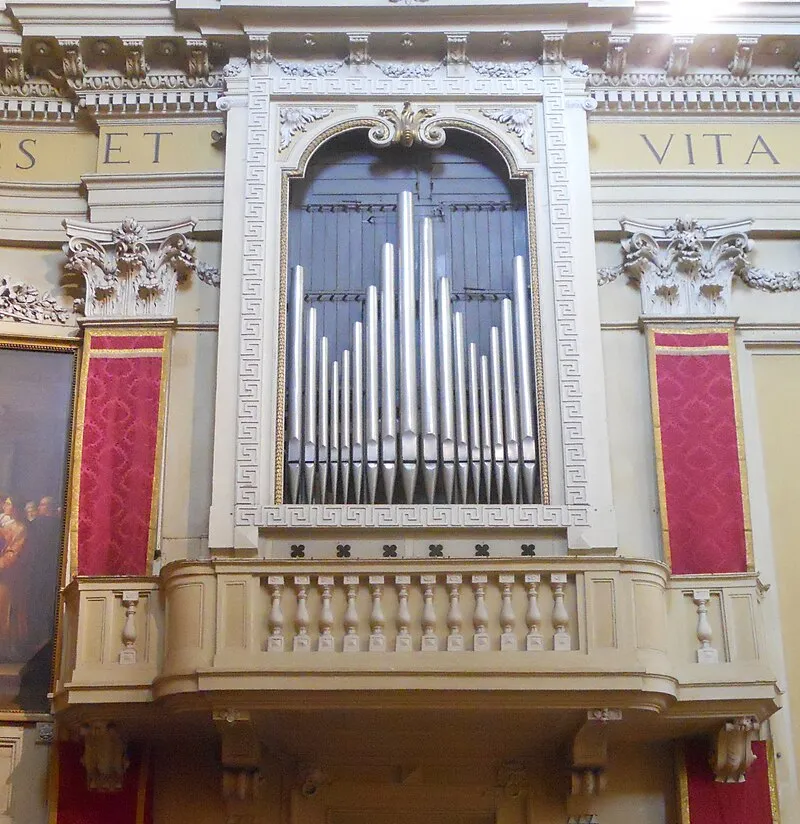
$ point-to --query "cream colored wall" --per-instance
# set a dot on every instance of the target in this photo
(23, 776)
(777, 385)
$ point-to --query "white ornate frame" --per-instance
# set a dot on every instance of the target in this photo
(259, 161)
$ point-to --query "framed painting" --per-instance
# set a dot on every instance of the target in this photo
(37, 387)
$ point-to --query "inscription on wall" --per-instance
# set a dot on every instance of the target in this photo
(721, 146)
(48, 155)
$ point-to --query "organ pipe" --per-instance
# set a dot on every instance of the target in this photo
(295, 400)
(409, 416)
(351, 421)
(427, 329)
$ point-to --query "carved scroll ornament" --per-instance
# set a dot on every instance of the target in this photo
(407, 128)
(130, 271)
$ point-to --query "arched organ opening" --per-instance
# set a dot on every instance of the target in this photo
(413, 382)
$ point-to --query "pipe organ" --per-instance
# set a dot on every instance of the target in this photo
(413, 409)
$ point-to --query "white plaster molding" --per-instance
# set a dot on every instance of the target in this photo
(732, 753)
(130, 271)
(567, 334)
(617, 55)
(687, 268)
(305, 69)
(207, 273)
(505, 69)
(521, 122)
(424, 516)
(409, 70)
(24, 303)
(407, 128)
(678, 60)
(297, 119)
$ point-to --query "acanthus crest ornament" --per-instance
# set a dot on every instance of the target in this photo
(685, 268)
(521, 122)
(297, 119)
(688, 268)
(407, 128)
(24, 303)
(130, 271)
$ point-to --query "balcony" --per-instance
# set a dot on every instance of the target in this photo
(540, 633)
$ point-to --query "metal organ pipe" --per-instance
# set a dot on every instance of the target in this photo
(357, 453)
(388, 377)
(526, 389)
(310, 449)
(356, 420)
(498, 451)
(294, 445)
(510, 399)
(427, 334)
(372, 433)
(462, 433)
(323, 445)
(409, 416)
(446, 408)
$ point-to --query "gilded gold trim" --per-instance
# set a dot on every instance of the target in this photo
(659, 452)
(165, 333)
(59, 345)
(773, 784)
(515, 173)
(684, 812)
(141, 790)
(52, 783)
(743, 481)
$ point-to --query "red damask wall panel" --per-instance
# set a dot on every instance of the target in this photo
(119, 441)
(706, 801)
(699, 451)
(71, 801)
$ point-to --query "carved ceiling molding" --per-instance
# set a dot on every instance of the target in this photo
(732, 753)
(518, 121)
(296, 119)
(407, 128)
(687, 268)
(24, 303)
(130, 271)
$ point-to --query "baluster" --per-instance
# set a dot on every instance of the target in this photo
(480, 618)
(325, 582)
(130, 600)
(430, 643)
(508, 639)
(351, 642)
(275, 641)
(403, 641)
(455, 640)
(302, 641)
(533, 617)
(706, 654)
(561, 640)
(377, 640)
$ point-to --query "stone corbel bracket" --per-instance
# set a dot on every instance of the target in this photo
(130, 271)
(240, 756)
(104, 756)
(590, 753)
(732, 753)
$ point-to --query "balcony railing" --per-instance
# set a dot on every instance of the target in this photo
(562, 625)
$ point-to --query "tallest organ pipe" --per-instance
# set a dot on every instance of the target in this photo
(409, 415)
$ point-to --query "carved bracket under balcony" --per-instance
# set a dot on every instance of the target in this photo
(130, 271)
(240, 757)
(687, 268)
(104, 756)
(590, 752)
(732, 753)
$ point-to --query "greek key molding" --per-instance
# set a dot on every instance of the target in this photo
(567, 343)
(421, 517)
